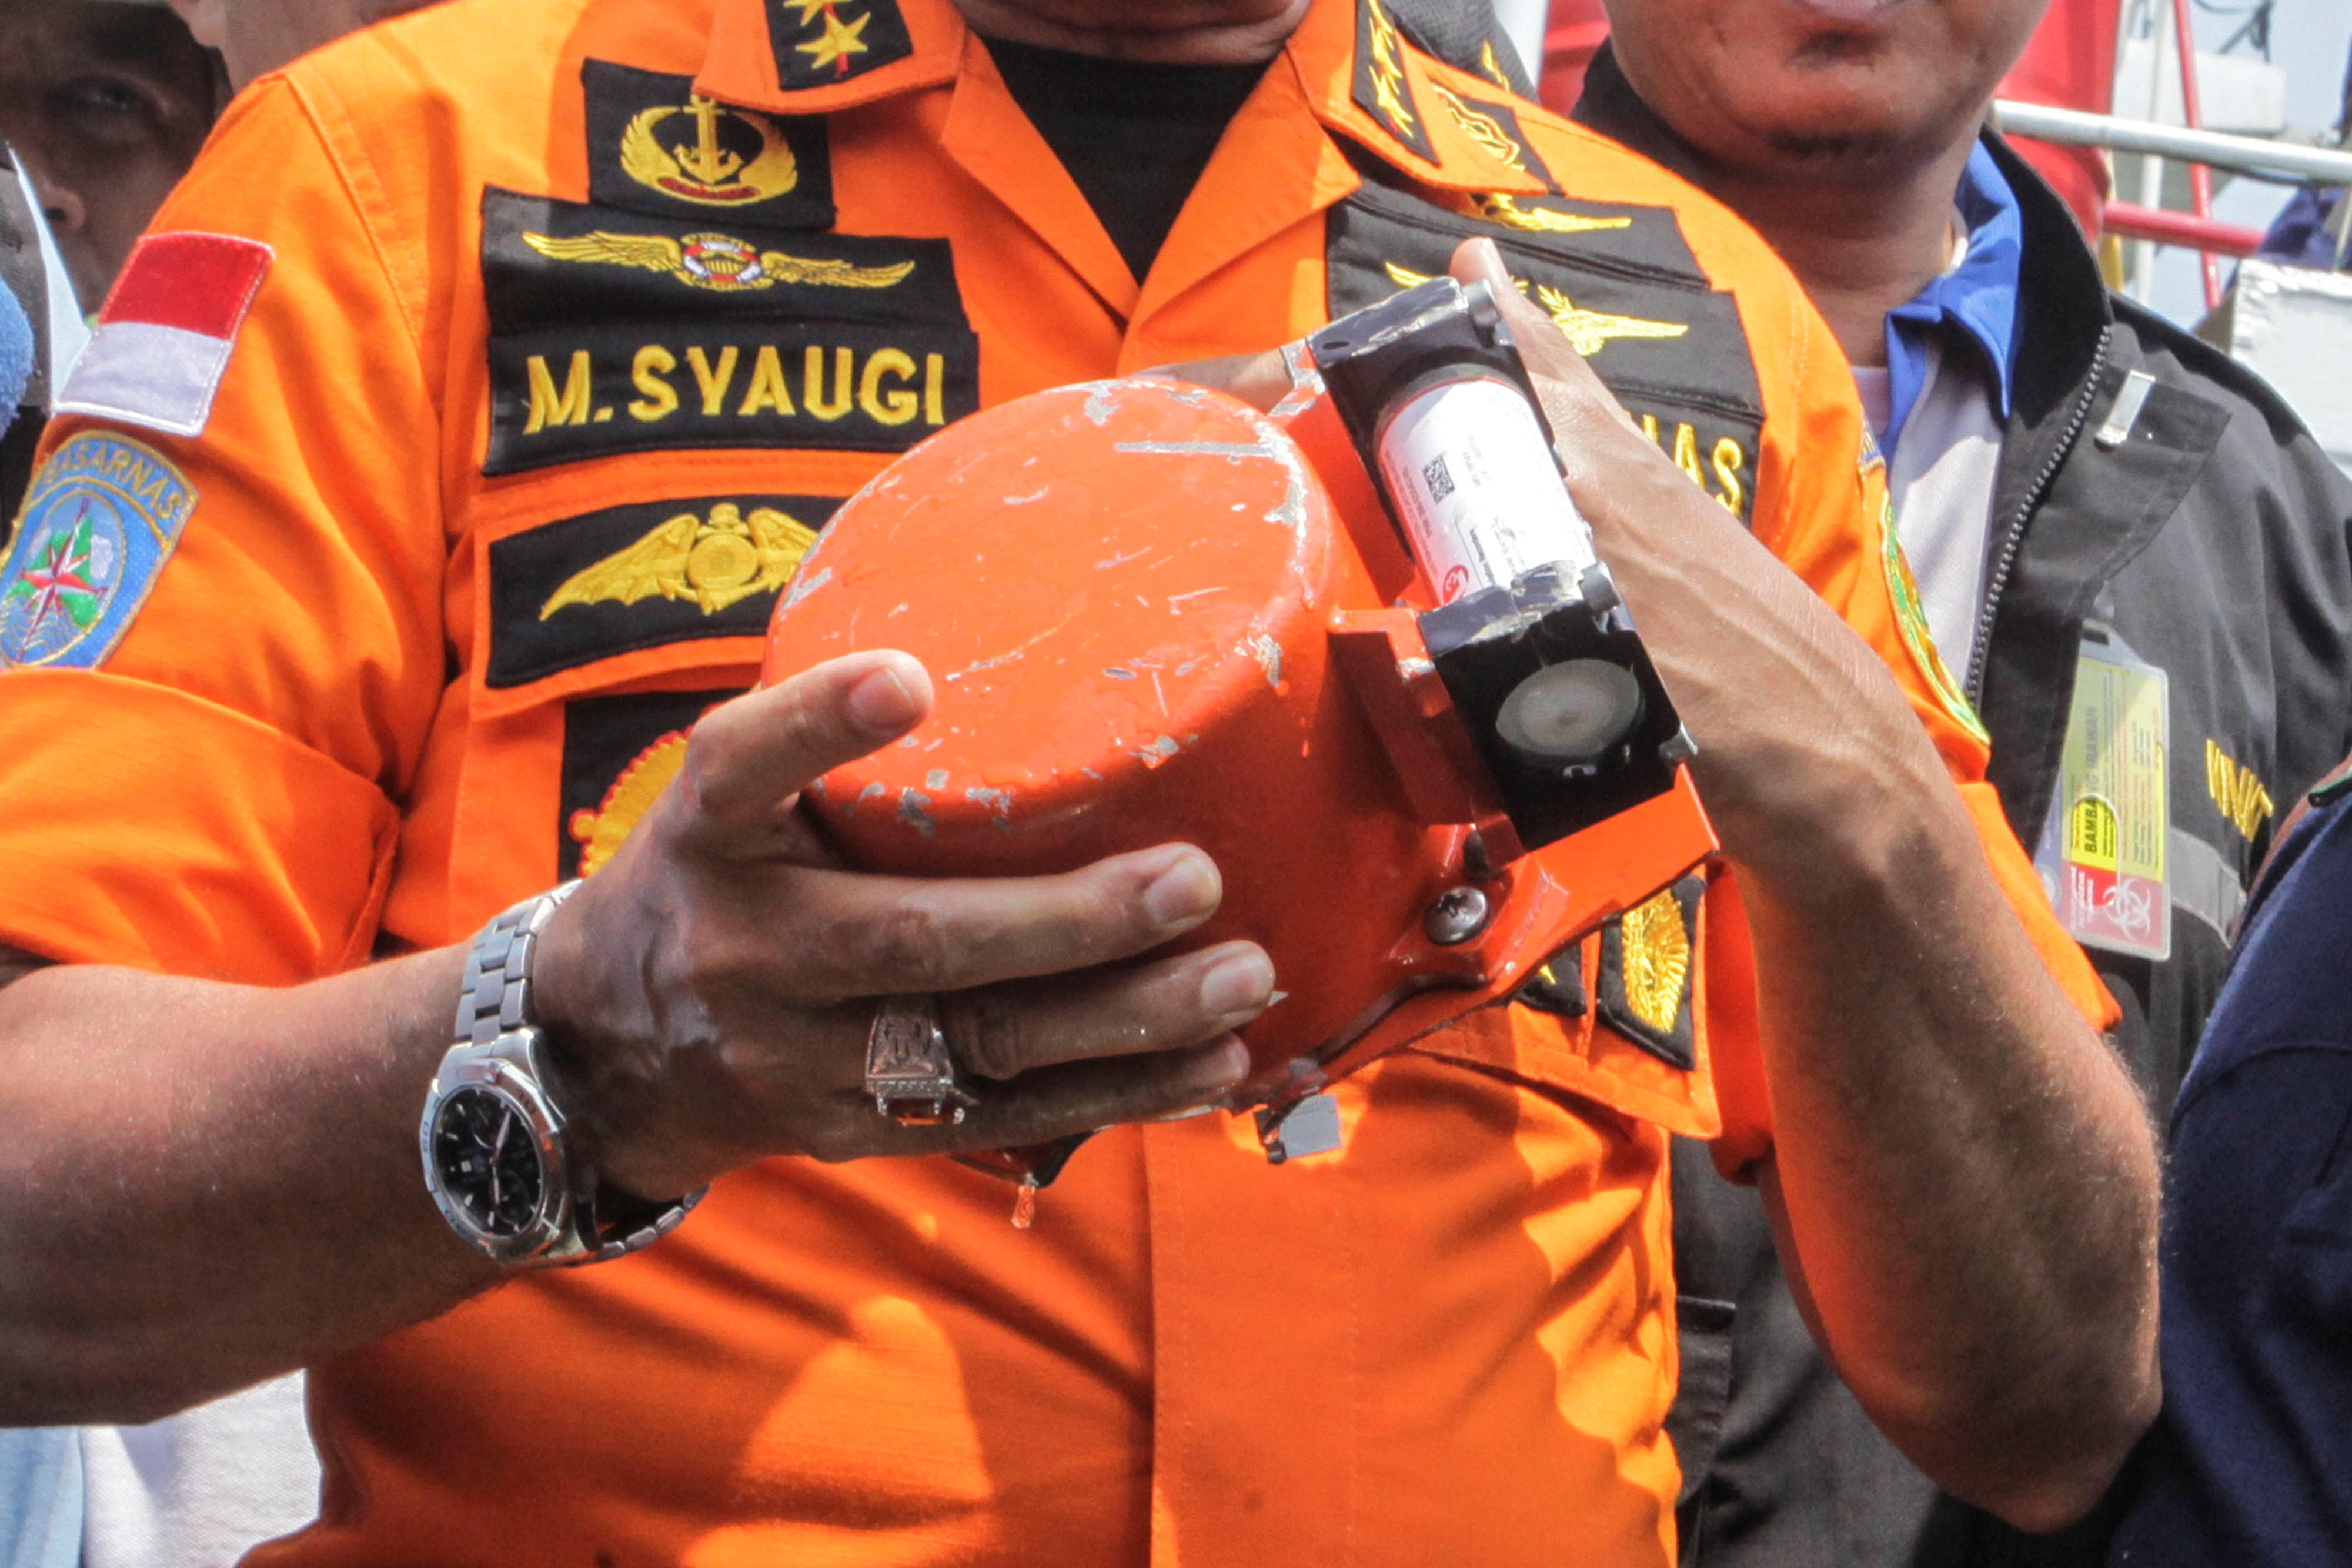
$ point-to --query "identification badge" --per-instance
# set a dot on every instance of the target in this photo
(2102, 845)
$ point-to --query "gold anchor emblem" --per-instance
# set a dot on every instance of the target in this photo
(711, 564)
(1587, 331)
(705, 171)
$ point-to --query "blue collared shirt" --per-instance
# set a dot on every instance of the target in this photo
(1974, 306)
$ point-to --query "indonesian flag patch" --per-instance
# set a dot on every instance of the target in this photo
(164, 336)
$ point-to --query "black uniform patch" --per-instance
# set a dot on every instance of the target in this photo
(1647, 957)
(1557, 984)
(558, 394)
(619, 754)
(1382, 87)
(655, 145)
(585, 588)
(613, 332)
(549, 262)
(820, 41)
(1629, 297)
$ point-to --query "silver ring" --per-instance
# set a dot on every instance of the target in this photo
(908, 1070)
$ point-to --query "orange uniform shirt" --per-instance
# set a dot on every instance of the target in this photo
(545, 278)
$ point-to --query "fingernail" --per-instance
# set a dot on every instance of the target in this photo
(1186, 892)
(1216, 1070)
(1238, 985)
(882, 699)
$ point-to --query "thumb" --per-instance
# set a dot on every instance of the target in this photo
(1573, 397)
(748, 759)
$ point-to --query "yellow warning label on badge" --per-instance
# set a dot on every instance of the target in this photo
(2102, 856)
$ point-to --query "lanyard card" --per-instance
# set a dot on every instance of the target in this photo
(2102, 852)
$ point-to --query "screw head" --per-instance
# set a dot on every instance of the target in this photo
(1455, 917)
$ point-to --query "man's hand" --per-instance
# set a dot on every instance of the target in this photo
(172, 1234)
(709, 992)
(1963, 1183)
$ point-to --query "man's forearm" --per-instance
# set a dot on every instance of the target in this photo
(204, 1185)
(1964, 1172)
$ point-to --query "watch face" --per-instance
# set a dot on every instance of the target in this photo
(488, 1160)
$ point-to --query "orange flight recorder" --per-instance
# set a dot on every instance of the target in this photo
(1358, 649)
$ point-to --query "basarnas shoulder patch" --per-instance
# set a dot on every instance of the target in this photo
(655, 145)
(103, 517)
(820, 41)
(1647, 957)
(571, 593)
(1911, 618)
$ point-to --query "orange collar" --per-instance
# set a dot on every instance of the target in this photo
(1358, 74)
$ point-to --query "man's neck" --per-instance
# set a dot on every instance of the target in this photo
(1171, 32)
(1860, 246)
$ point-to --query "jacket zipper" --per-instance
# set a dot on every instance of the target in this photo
(2013, 543)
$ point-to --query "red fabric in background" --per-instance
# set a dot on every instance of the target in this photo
(2070, 62)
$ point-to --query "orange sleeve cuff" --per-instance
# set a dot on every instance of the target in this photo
(145, 827)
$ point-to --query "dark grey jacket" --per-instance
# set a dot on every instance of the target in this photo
(2216, 539)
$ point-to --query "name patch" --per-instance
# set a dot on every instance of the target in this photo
(563, 393)
(587, 588)
(104, 516)
(657, 146)
(1627, 295)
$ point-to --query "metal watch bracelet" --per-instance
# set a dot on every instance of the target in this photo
(495, 1016)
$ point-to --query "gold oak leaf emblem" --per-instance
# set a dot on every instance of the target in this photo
(1587, 331)
(601, 832)
(717, 262)
(1484, 130)
(1388, 69)
(1502, 207)
(1491, 68)
(711, 562)
(838, 42)
(703, 171)
(1656, 960)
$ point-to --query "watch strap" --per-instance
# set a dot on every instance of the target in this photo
(494, 1007)
(496, 996)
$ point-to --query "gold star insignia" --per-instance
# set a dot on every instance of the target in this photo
(809, 8)
(840, 40)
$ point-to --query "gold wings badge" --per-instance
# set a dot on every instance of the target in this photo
(717, 262)
(710, 562)
(1587, 331)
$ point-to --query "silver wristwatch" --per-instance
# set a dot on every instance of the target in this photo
(495, 1158)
